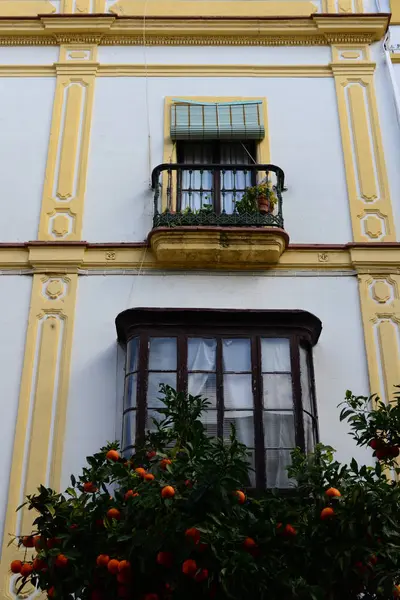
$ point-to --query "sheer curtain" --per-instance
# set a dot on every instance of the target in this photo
(197, 185)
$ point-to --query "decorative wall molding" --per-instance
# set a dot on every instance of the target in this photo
(367, 180)
(380, 306)
(180, 30)
(42, 407)
(26, 8)
(66, 171)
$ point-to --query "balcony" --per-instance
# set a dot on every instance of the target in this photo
(218, 216)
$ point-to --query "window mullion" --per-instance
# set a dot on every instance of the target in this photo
(296, 387)
(259, 450)
(182, 376)
(143, 374)
(220, 389)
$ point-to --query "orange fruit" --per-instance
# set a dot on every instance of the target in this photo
(290, 531)
(396, 591)
(124, 565)
(202, 547)
(53, 543)
(333, 493)
(188, 483)
(51, 592)
(26, 569)
(201, 575)
(249, 543)
(241, 496)
(193, 534)
(168, 492)
(151, 454)
(130, 494)
(140, 471)
(37, 542)
(38, 564)
(373, 560)
(61, 561)
(112, 455)
(113, 513)
(327, 513)
(149, 477)
(28, 541)
(89, 487)
(164, 463)
(189, 567)
(102, 560)
(16, 566)
(113, 566)
(165, 559)
(124, 577)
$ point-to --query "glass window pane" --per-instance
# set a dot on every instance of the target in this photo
(152, 414)
(203, 384)
(244, 424)
(276, 463)
(275, 354)
(130, 391)
(162, 355)
(201, 354)
(252, 472)
(237, 391)
(153, 391)
(305, 381)
(277, 391)
(309, 432)
(279, 429)
(129, 429)
(209, 420)
(132, 355)
(236, 355)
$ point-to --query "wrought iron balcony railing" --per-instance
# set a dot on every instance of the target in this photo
(204, 194)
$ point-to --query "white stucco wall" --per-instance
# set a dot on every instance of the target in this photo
(15, 294)
(26, 55)
(25, 115)
(304, 140)
(94, 404)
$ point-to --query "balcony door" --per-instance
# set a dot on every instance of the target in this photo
(205, 188)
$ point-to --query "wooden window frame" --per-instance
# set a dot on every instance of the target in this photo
(300, 327)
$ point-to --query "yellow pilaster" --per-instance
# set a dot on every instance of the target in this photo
(39, 434)
(66, 170)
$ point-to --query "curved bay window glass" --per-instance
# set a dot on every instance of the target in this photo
(254, 367)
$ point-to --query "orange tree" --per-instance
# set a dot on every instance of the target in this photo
(175, 521)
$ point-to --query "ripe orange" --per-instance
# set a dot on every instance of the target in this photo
(188, 483)
(168, 492)
(89, 487)
(28, 541)
(193, 534)
(113, 513)
(37, 542)
(290, 531)
(202, 547)
(124, 577)
(201, 575)
(396, 591)
(373, 560)
(38, 564)
(53, 543)
(327, 513)
(113, 566)
(61, 561)
(102, 560)
(149, 477)
(140, 471)
(130, 494)
(26, 569)
(249, 543)
(124, 565)
(151, 454)
(241, 496)
(16, 566)
(333, 493)
(165, 559)
(112, 455)
(51, 592)
(164, 463)
(189, 567)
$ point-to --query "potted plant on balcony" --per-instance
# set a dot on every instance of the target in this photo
(258, 198)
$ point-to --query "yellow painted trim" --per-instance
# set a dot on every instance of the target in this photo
(71, 258)
(261, 31)
(395, 10)
(367, 180)
(26, 8)
(66, 171)
(395, 56)
(39, 434)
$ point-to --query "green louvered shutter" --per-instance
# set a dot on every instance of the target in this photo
(217, 121)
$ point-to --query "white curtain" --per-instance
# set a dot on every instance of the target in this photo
(198, 154)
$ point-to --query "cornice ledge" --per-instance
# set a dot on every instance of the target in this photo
(375, 259)
(56, 258)
(353, 68)
(341, 28)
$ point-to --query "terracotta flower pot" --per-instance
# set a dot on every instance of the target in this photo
(263, 204)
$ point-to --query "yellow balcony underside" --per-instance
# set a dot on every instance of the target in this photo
(218, 247)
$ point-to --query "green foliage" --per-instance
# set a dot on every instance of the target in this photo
(293, 553)
(249, 202)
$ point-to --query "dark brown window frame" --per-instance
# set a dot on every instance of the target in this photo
(300, 327)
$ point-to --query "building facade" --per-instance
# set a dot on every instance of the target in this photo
(131, 130)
